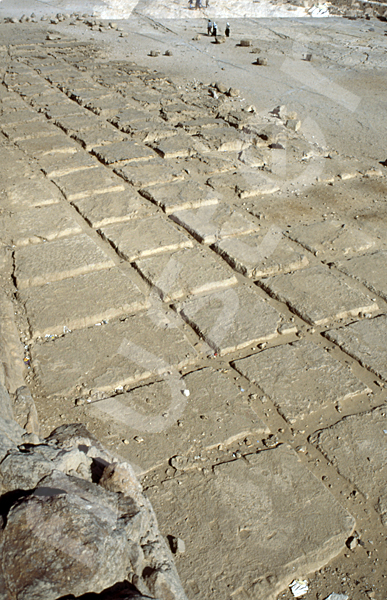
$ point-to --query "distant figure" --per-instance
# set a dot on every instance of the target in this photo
(207, 3)
(214, 30)
(198, 4)
(190, 4)
(227, 31)
(209, 27)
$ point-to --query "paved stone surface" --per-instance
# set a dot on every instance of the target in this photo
(331, 237)
(262, 254)
(25, 131)
(22, 193)
(53, 261)
(226, 140)
(102, 136)
(188, 271)
(180, 195)
(210, 223)
(366, 342)
(68, 164)
(283, 521)
(318, 295)
(356, 446)
(144, 175)
(370, 269)
(88, 182)
(247, 184)
(178, 146)
(55, 144)
(301, 378)
(37, 225)
(124, 152)
(144, 237)
(76, 123)
(169, 423)
(54, 308)
(231, 319)
(143, 345)
(116, 207)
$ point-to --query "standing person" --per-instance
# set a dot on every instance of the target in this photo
(198, 4)
(190, 4)
(207, 3)
(227, 31)
(214, 30)
(209, 27)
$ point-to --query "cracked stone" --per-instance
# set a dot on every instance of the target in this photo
(29, 130)
(105, 209)
(180, 195)
(370, 270)
(144, 175)
(124, 152)
(68, 164)
(88, 182)
(38, 147)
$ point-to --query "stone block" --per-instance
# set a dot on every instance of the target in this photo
(247, 183)
(366, 342)
(168, 422)
(180, 196)
(117, 207)
(89, 182)
(232, 319)
(211, 223)
(110, 106)
(98, 137)
(53, 261)
(356, 447)
(262, 254)
(19, 117)
(55, 144)
(142, 175)
(70, 163)
(78, 302)
(89, 94)
(370, 269)
(123, 152)
(300, 378)
(144, 237)
(280, 517)
(125, 118)
(211, 164)
(318, 295)
(113, 355)
(64, 108)
(31, 129)
(226, 139)
(328, 238)
(178, 146)
(76, 123)
(184, 272)
(25, 193)
(38, 225)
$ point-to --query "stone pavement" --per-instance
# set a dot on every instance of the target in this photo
(162, 281)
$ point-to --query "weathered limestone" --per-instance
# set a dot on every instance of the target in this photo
(142, 175)
(331, 237)
(178, 146)
(70, 163)
(356, 446)
(38, 147)
(143, 345)
(366, 342)
(262, 254)
(370, 269)
(77, 123)
(284, 522)
(88, 182)
(210, 223)
(21, 116)
(32, 129)
(184, 272)
(247, 184)
(180, 195)
(21, 194)
(116, 207)
(125, 118)
(300, 378)
(11, 350)
(54, 308)
(39, 264)
(231, 319)
(318, 295)
(37, 225)
(124, 152)
(92, 138)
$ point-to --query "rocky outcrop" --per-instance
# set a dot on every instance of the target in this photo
(74, 520)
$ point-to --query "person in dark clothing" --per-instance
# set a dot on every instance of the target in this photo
(214, 30)
(227, 31)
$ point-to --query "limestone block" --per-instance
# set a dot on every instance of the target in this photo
(117, 207)
(144, 344)
(102, 136)
(64, 108)
(370, 269)
(169, 423)
(55, 144)
(327, 238)
(37, 225)
(225, 140)
(109, 107)
(211, 223)
(78, 302)
(31, 129)
(180, 195)
(19, 117)
(269, 496)
(318, 295)
(125, 118)
(123, 152)
(22, 194)
(89, 182)
(89, 94)
(356, 447)
(53, 261)
(178, 146)
(142, 175)
(262, 254)
(184, 272)
(70, 163)
(76, 123)
(247, 183)
(366, 342)
(300, 378)
(144, 237)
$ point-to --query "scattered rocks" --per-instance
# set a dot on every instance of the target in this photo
(261, 61)
(245, 43)
(154, 53)
(220, 39)
(233, 92)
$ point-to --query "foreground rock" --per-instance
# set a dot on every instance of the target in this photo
(74, 519)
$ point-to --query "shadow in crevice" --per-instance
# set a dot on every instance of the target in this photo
(119, 591)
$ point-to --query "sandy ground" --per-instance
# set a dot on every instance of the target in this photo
(339, 96)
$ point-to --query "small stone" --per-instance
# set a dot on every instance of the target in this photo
(168, 53)
(177, 545)
(178, 462)
(233, 92)
(261, 61)
(222, 89)
(245, 43)
(352, 542)
(125, 441)
(154, 53)
(80, 401)
(113, 25)
(220, 39)
(293, 124)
